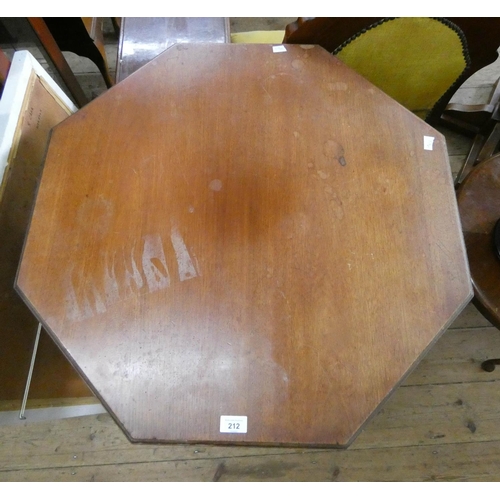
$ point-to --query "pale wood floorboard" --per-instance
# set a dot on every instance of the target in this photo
(442, 424)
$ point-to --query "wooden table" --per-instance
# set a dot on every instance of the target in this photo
(479, 205)
(245, 244)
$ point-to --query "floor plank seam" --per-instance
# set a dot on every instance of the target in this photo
(468, 328)
(449, 383)
(239, 457)
(141, 462)
(424, 445)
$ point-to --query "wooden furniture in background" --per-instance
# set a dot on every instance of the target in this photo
(472, 118)
(18, 31)
(31, 105)
(479, 204)
(484, 121)
(263, 262)
(482, 37)
(144, 38)
(57, 58)
(84, 37)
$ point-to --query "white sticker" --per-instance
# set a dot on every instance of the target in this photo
(279, 48)
(233, 424)
(428, 142)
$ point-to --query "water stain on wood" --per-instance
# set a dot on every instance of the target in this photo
(332, 149)
(124, 277)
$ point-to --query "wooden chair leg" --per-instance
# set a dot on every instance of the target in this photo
(490, 145)
(471, 159)
(96, 50)
(82, 36)
(57, 58)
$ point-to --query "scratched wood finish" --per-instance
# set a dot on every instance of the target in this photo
(233, 231)
(479, 205)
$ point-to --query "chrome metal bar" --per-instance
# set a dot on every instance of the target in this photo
(30, 373)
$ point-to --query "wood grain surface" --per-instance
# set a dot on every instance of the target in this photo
(479, 205)
(237, 231)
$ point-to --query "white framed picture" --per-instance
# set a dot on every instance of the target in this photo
(24, 72)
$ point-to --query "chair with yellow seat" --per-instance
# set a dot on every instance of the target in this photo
(420, 62)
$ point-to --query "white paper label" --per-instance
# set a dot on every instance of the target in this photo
(428, 142)
(279, 48)
(233, 424)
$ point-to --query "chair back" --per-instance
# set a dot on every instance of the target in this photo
(420, 62)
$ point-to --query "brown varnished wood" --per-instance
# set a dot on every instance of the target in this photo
(329, 32)
(479, 205)
(233, 231)
(4, 69)
(53, 376)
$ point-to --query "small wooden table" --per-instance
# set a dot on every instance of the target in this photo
(245, 244)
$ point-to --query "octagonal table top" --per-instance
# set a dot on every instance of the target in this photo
(245, 244)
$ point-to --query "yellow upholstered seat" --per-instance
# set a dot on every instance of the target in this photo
(414, 60)
(275, 36)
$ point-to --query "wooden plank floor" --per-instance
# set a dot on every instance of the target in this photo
(442, 424)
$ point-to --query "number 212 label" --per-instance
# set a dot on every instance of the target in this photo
(233, 424)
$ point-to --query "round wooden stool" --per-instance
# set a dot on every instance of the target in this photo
(479, 205)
